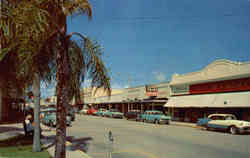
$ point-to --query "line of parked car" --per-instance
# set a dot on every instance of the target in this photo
(153, 116)
(224, 122)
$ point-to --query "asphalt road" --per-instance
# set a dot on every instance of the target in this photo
(145, 140)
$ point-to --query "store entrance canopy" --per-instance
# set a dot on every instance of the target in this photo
(239, 99)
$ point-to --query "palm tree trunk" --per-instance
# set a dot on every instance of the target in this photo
(36, 92)
(62, 78)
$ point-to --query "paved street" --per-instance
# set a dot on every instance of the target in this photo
(144, 140)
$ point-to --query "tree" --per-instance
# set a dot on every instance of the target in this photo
(53, 28)
(23, 33)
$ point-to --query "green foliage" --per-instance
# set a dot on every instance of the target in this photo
(20, 147)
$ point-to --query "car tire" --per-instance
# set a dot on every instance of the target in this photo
(208, 128)
(54, 124)
(233, 130)
(50, 124)
(156, 121)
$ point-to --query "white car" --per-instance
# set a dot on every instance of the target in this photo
(226, 122)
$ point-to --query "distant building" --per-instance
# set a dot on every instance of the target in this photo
(146, 97)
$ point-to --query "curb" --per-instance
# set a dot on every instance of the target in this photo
(184, 125)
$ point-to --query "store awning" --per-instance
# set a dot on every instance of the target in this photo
(223, 100)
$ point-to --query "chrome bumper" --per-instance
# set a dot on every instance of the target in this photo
(244, 130)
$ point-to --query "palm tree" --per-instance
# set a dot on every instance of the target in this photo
(53, 22)
(24, 27)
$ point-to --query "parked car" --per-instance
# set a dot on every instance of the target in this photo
(50, 119)
(225, 122)
(84, 111)
(71, 113)
(101, 112)
(132, 115)
(45, 111)
(114, 113)
(155, 116)
(91, 111)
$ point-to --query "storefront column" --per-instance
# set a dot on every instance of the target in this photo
(128, 107)
(172, 112)
(152, 104)
(123, 108)
(141, 107)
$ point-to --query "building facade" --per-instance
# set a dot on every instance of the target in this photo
(221, 87)
(11, 105)
(146, 97)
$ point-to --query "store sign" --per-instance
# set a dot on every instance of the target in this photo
(151, 90)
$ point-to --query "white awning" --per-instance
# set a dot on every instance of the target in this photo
(238, 99)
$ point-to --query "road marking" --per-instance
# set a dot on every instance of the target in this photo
(149, 155)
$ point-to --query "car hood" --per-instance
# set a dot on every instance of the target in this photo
(246, 123)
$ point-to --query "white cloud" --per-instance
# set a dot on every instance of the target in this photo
(160, 76)
(126, 86)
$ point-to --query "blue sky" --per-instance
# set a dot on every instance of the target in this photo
(148, 40)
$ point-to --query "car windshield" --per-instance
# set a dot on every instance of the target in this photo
(230, 118)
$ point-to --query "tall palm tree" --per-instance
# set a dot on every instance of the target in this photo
(52, 20)
(23, 30)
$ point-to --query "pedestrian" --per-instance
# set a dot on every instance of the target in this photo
(29, 125)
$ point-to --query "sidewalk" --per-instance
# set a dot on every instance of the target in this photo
(8, 131)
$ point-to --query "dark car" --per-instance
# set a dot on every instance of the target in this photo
(132, 115)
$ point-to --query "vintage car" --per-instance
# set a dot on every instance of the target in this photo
(225, 122)
(132, 114)
(84, 111)
(101, 112)
(154, 116)
(114, 113)
(50, 119)
(91, 111)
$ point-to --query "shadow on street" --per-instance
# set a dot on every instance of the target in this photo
(76, 143)
(9, 128)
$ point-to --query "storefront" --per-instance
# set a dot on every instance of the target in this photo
(148, 97)
(12, 110)
(222, 87)
(191, 107)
